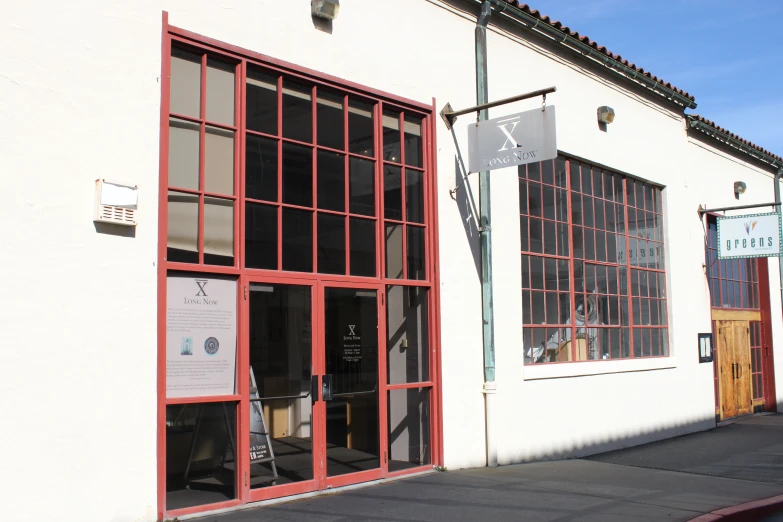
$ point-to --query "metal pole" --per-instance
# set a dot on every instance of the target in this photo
(485, 238)
(779, 210)
(450, 116)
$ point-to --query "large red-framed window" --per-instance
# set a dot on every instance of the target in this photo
(593, 274)
(272, 171)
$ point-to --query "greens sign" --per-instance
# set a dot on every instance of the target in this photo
(754, 235)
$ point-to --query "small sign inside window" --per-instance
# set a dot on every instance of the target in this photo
(705, 347)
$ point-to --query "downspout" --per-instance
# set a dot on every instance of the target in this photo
(778, 209)
(485, 239)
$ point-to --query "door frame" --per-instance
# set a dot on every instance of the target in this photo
(320, 346)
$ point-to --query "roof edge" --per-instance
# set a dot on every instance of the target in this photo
(726, 137)
(533, 20)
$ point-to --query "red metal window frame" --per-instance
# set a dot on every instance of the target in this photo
(242, 58)
(623, 198)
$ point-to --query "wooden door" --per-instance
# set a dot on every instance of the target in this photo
(725, 343)
(741, 330)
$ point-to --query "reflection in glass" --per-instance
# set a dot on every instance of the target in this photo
(394, 251)
(219, 161)
(297, 240)
(414, 195)
(391, 136)
(362, 187)
(218, 231)
(297, 111)
(281, 365)
(352, 417)
(409, 428)
(361, 128)
(200, 454)
(297, 175)
(185, 83)
(261, 168)
(261, 101)
(331, 181)
(331, 244)
(220, 91)
(182, 241)
(392, 192)
(413, 155)
(183, 154)
(416, 252)
(260, 236)
(407, 344)
(331, 120)
(362, 247)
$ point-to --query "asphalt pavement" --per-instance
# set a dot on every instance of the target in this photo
(675, 479)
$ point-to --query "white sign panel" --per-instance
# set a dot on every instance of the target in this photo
(517, 139)
(201, 336)
(754, 235)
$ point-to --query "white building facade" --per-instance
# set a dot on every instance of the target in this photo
(283, 318)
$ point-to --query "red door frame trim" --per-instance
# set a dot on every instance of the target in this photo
(315, 281)
(767, 353)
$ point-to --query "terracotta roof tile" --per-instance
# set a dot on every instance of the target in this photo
(752, 145)
(575, 34)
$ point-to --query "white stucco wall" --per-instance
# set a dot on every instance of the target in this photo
(79, 100)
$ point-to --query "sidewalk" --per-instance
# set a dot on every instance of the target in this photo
(675, 479)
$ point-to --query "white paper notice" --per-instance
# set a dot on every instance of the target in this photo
(201, 336)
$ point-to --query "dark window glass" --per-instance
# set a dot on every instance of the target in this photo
(562, 240)
(416, 253)
(297, 111)
(297, 175)
(536, 273)
(391, 136)
(522, 195)
(588, 217)
(261, 107)
(362, 187)
(413, 128)
(535, 203)
(547, 172)
(362, 236)
(598, 183)
(549, 202)
(331, 244)
(206, 431)
(392, 192)
(536, 236)
(579, 249)
(576, 178)
(331, 181)
(587, 180)
(550, 238)
(414, 195)
(331, 119)
(360, 128)
(260, 236)
(297, 240)
(409, 428)
(560, 173)
(261, 168)
(534, 171)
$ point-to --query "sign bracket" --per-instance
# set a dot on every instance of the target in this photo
(450, 116)
(703, 210)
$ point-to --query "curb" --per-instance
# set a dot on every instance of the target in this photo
(747, 512)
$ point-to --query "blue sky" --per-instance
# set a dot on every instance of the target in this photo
(726, 54)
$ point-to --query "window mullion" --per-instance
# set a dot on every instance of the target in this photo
(202, 157)
(571, 263)
(629, 286)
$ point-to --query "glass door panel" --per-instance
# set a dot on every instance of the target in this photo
(281, 368)
(350, 384)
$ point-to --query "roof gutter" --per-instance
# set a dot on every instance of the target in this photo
(714, 133)
(577, 46)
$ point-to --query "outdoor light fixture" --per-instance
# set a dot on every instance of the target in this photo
(739, 188)
(605, 114)
(325, 8)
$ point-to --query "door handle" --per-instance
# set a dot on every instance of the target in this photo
(734, 371)
(314, 388)
(326, 388)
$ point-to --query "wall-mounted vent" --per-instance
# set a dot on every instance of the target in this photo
(115, 203)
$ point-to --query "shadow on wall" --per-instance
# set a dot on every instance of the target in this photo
(114, 230)
(468, 212)
(601, 444)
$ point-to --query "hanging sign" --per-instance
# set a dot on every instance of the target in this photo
(754, 235)
(201, 336)
(517, 139)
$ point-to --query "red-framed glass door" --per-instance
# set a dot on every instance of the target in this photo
(352, 399)
(280, 430)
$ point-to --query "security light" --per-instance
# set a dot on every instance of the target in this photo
(325, 8)
(739, 188)
(605, 114)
